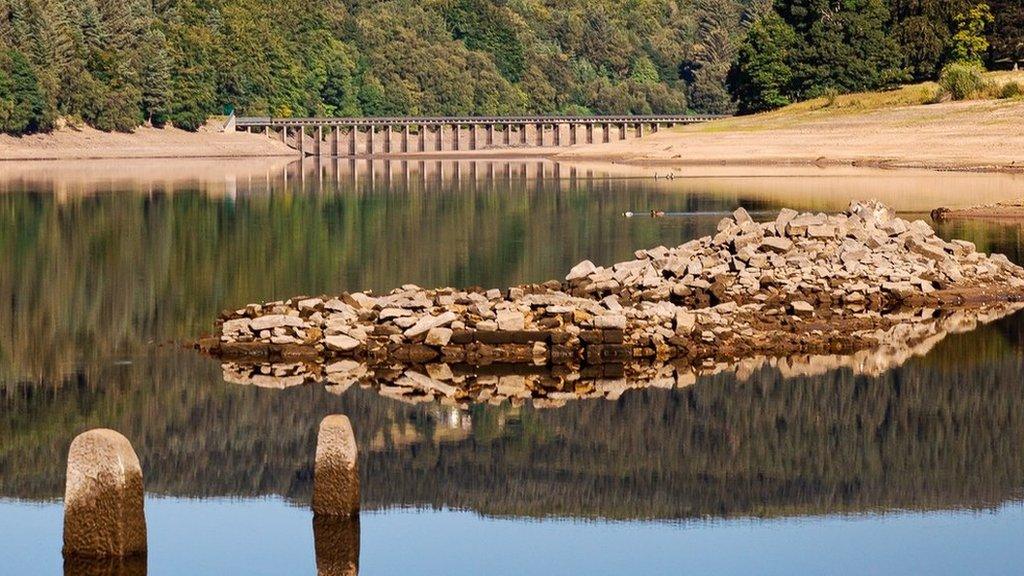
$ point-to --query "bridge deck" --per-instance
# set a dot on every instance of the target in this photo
(254, 121)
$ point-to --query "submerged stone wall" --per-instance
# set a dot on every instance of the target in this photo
(802, 283)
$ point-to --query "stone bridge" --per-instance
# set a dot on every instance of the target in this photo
(412, 135)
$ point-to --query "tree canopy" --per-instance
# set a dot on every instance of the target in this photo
(115, 64)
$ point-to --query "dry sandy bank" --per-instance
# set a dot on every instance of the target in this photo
(145, 142)
(971, 136)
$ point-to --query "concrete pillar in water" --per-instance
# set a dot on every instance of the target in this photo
(590, 133)
(388, 133)
(319, 140)
(473, 131)
(423, 138)
(336, 540)
(336, 474)
(490, 135)
(540, 135)
(300, 133)
(353, 133)
(370, 138)
(640, 130)
(103, 497)
(284, 134)
(556, 133)
(622, 131)
(456, 135)
(405, 138)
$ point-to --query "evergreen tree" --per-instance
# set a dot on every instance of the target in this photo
(22, 105)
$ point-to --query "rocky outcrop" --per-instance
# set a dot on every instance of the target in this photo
(799, 284)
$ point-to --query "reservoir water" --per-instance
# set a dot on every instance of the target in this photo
(909, 465)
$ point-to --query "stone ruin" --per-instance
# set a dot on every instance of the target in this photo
(801, 284)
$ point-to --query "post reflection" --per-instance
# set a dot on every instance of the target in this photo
(336, 539)
(84, 566)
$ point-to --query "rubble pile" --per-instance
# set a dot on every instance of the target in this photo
(802, 283)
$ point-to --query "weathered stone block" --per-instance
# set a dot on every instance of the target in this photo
(103, 497)
(336, 472)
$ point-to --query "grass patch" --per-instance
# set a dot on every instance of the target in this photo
(995, 85)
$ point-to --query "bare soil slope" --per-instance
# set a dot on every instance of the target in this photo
(977, 135)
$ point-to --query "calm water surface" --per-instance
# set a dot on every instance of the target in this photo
(105, 269)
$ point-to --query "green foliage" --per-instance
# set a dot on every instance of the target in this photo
(115, 64)
(924, 30)
(486, 26)
(762, 76)
(22, 106)
(969, 43)
(816, 47)
(962, 80)
(1006, 35)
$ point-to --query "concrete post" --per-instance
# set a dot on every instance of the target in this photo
(490, 135)
(522, 134)
(540, 135)
(301, 135)
(336, 472)
(370, 138)
(590, 133)
(388, 133)
(103, 497)
(319, 140)
(336, 541)
(640, 130)
(473, 130)
(508, 134)
(607, 133)
(284, 134)
(456, 134)
(622, 131)
(556, 130)
(353, 131)
(405, 139)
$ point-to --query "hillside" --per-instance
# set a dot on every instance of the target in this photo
(889, 129)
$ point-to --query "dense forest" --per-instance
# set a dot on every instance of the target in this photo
(116, 64)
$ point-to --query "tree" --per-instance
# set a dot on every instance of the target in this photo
(841, 46)
(924, 30)
(1007, 32)
(761, 78)
(22, 104)
(969, 43)
(154, 67)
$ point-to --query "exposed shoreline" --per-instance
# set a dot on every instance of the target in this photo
(145, 142)
(977, 136)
